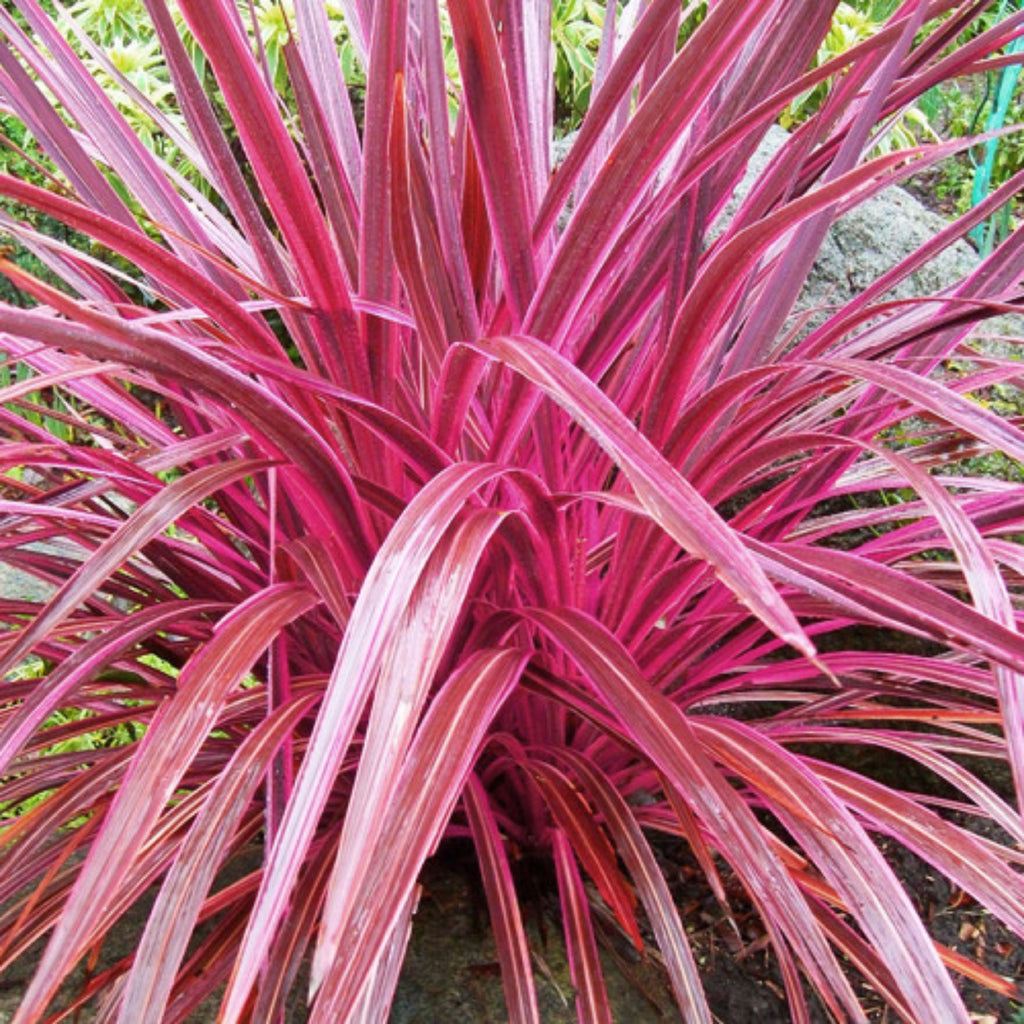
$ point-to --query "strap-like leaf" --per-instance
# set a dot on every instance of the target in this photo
(574, 818)
(171, 921)
(848, 859)
(161, 759)
(383, 600)
(503, 171)
(502, 905)
(410, 664)
(584, 962)
(146, 523)
(87, 661)
(668, 739)
(670, 501)
(650, 883)
(447, 744)
(284, 184)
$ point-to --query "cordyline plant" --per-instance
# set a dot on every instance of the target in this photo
(413, 490)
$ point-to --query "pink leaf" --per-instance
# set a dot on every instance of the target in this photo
(502, 165)
(434, 774)
(145, 524)
(584, 963)
(164, 753)
(670, 501)
(668, 739)
(503, 906)
(171, 921)
(382, 602)
(409, 666)
(649, 880)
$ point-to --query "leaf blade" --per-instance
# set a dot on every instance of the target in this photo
(669, 499)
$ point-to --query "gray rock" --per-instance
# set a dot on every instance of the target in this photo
(867, 241)
(18, 584)
(21, 586)
(862, 245)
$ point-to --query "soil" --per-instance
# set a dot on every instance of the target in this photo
(958, 922)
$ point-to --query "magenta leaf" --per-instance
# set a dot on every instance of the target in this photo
(665, 733)
(410, 665)
(592, 847)
(670, 501)
(643, 868)
(148, 521)
(375, 619)
(164, 754)
(173, 918)
(847, 859)
(502, 905)
(434, 774)
(503, 166)
(584, 962)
